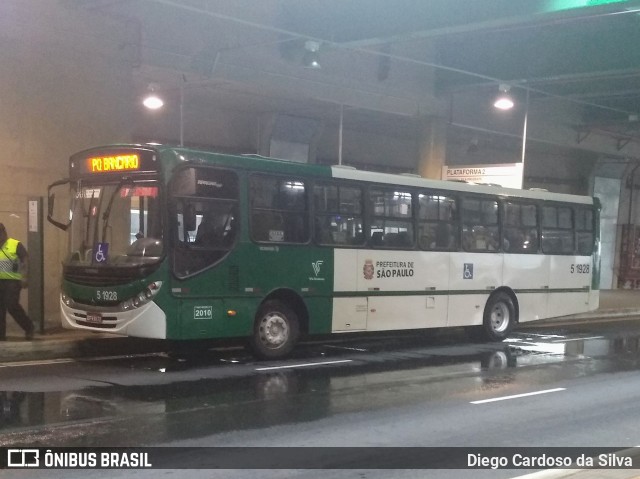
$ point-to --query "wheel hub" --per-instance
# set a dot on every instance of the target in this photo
(499, 317)
(274, 329)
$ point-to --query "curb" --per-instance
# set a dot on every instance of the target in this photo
(63, 344)
(596, 316)
(75, 346)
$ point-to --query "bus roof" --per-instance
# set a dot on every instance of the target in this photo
(179, 155)
(416, 181)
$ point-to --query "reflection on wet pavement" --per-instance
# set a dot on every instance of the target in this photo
(381, 372)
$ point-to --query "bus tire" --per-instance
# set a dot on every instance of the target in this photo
(275, 330)
(499, 317)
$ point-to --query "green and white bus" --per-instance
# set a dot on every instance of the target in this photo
(180, 244)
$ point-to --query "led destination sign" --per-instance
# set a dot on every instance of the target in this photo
(100, 164)
(113, 161)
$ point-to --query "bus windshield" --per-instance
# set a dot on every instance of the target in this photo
(115, 224)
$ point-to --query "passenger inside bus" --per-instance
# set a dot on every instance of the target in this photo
(217, 229)
(518, 240)
(208, 233)
(480, 238)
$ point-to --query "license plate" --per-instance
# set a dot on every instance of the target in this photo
(95, 318)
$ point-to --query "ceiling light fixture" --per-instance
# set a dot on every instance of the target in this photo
(310, 59)
(152, 101)
(504, 100)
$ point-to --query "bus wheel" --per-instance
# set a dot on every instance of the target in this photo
(275, 330)
(499, 317)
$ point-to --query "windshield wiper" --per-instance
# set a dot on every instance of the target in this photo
(107, 212)
(84, 247)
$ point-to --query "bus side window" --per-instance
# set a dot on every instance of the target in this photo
(279, 211)
(391, 223)
(520, 225)
(557, 230)
(338, 214)
(480, 230)
(437, 227)
(584, 231)
(206, 204)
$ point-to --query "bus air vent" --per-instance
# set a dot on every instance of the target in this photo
(234, 278)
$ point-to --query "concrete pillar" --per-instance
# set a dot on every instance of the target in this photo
(265, 130)
(432, 147)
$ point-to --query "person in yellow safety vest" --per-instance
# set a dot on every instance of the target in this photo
(13, 277)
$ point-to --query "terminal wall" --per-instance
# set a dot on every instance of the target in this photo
(56, 97)
(67, 83)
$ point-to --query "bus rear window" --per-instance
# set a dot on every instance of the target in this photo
(557, 230)
(584, 231)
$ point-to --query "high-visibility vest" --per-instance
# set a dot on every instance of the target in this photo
(9, 260)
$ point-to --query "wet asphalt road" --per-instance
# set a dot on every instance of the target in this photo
(404, 390)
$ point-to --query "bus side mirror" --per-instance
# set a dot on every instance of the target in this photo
(50, 204)
(51, 214)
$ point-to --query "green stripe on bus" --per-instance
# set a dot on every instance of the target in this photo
(351, 294)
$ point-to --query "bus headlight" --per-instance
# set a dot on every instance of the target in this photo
(143, 297)
(66, 299)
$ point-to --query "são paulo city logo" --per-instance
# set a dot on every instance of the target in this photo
(368, 270)
(387, 269)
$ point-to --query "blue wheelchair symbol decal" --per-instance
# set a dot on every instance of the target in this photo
(101, 253)
(467, 271)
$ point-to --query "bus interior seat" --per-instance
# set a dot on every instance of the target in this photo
(358, 239)
(425, 241)
(403, 239)
(377, 238)
(391, 239)
(443, 235)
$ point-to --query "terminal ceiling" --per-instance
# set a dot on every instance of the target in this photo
(387, 61)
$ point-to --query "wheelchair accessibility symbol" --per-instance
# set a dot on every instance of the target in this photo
(101, 253)
(467, 271)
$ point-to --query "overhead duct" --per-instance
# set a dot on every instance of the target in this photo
(293, 138)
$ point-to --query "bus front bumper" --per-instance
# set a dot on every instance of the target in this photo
(148, 321)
